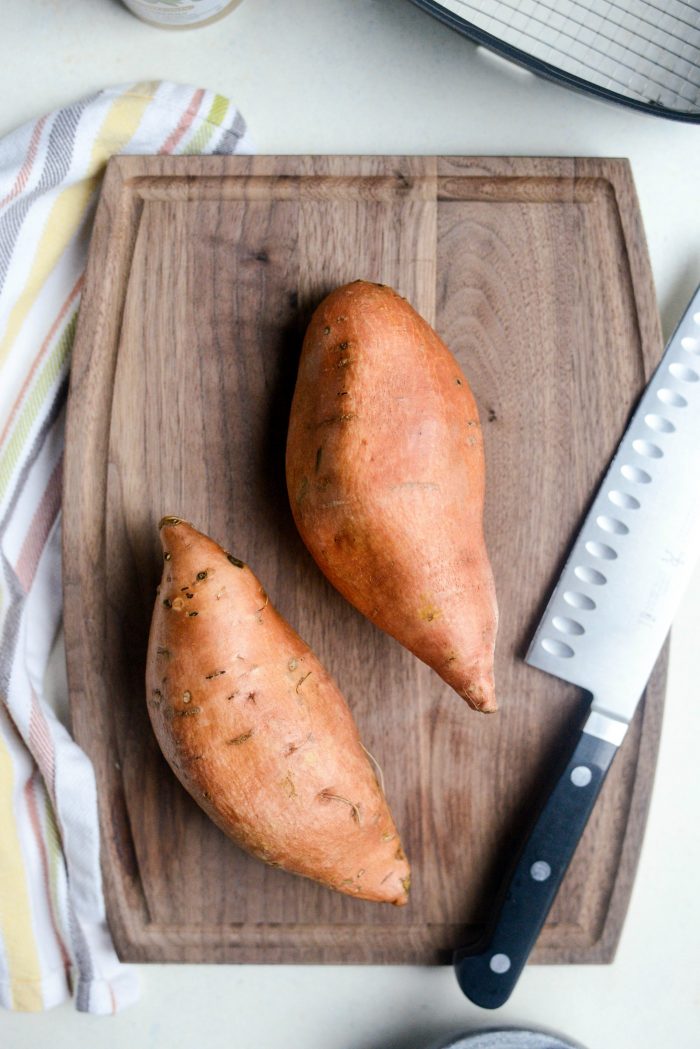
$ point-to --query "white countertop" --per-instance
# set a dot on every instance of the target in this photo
(380, 76)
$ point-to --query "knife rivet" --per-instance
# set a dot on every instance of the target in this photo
(540, 870)
(581, 776)
(500, 963)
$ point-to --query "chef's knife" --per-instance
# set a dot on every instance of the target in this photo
(603, 628)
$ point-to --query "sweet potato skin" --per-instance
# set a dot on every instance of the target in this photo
(385, 472)
(257, 731)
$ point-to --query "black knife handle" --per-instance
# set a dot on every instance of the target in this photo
(488, 975)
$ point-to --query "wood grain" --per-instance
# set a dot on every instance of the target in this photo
(202, 276)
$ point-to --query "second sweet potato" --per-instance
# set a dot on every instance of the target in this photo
(256, 729)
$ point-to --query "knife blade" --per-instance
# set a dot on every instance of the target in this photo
(603, 629)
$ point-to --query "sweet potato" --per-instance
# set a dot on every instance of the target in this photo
(257, 731)
(385, 471)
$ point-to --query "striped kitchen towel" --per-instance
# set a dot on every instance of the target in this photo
(54, 939)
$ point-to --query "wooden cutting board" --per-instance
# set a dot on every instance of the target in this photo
(202, 275)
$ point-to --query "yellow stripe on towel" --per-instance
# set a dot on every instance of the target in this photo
(118, 127)
(15, 911)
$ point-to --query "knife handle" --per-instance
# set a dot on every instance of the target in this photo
(488, 974)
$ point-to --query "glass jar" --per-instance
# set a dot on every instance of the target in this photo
(180, 14)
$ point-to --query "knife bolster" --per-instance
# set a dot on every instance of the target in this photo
(605, 727)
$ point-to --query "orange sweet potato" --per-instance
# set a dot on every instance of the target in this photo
(257, 731)
(385, 472)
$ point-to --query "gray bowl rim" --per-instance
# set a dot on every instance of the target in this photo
(505, 1038)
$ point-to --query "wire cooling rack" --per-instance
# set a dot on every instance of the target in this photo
(645, 53)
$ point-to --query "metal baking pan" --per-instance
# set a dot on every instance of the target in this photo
(642, 53)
